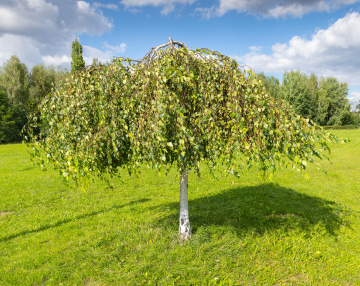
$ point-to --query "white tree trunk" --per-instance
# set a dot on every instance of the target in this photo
(184, 228)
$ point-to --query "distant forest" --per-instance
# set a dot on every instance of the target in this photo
(20, 93)
(323, 100)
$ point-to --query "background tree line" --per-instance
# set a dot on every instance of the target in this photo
(323, 100)
(21, 91)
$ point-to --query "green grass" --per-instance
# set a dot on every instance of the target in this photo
(289, 231)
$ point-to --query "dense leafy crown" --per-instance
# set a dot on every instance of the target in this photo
(176, 107)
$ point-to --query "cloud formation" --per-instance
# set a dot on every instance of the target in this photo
(167, 5)
(330, 52)
(117, 49)
(354, 99)
(273, 8)
(42, 30)
(103, 56)
(107, 6)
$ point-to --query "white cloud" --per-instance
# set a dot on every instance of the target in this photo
(90, 21)
(89, 53)
(117, 49)
(330, 52)
(23, 47)
(103, 56)
(255, 48)
(56, 60)
(167, 5)
(354, 99)
(43, 30)
(273, 8)
(107, 6)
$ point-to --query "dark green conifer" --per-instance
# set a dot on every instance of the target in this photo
(77, 61)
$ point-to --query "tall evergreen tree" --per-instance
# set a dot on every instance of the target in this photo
(77, 61)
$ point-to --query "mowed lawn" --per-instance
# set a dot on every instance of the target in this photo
(248, 231)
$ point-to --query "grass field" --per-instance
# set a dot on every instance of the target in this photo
(290, 231)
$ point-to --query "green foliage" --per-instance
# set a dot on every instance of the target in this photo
(333, 107)
(14, 79)
(176, 107)
(341, 127)
(292, 231)
(295, 90)
(97, 63)
(24, 92)
(314, 88)
(77, 61)
(272, 85)
(355, 118)
(14, 93)
(12, 119)
(325, 102)
(41, 80)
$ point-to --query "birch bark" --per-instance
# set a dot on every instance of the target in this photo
(184, 227)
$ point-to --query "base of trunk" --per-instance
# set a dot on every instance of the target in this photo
(184, 225)
(184, 229)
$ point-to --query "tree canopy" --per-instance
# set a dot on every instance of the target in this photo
(333, 106)
(42, 79)
(14, 79)
(175, 107)
(295, 89)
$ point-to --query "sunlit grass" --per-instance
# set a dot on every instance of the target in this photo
(288, 231)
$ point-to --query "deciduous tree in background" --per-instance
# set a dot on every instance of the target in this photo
(77, 61)
(272, 85)
(323, 101)
(295, 90)
(41, 80)
(177, 107)
(97, 63)
(12, 119)
(23, 91)
(333, 106)
(14, 79)
(314, 88)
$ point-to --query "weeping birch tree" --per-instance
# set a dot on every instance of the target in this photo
(176, 108)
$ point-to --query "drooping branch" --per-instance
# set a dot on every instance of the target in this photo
(169, 43)
(155, 50)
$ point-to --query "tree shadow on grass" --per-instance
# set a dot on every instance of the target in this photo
(61, 222)
(261, 208)
(26, 169)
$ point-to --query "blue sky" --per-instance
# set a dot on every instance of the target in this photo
(315, 36)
